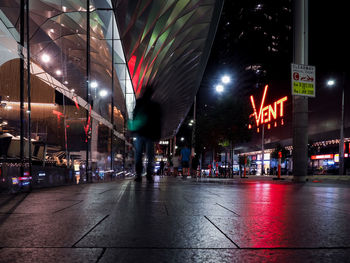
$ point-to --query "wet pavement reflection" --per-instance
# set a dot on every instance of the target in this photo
(175, 220)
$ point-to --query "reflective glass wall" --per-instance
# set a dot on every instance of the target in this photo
(74, 106)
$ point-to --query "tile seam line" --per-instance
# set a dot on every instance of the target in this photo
(101, 255)
(99, 222)
(222, 232)
(60, 210)
(228, 209)
(120, 195)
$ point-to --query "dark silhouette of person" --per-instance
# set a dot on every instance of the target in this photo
(185, 160)
(146, 126)
(161, 168)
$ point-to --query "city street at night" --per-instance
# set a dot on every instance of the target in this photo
(174, 131)
(176, 220)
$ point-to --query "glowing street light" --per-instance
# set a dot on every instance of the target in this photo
(226, 79)
(219, 88)
(330, 83)
(58, 72)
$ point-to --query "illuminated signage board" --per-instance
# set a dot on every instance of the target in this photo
(268, 114)
(303, 80)
(322, 156)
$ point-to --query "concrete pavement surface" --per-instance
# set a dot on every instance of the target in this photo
(175, 220)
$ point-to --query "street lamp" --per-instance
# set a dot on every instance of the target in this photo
(226, 79)
(331, 83)
(219, 88)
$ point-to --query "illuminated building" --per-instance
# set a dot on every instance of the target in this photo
(88, 62)
(323, 128)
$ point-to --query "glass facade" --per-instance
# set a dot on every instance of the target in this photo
(66, 122)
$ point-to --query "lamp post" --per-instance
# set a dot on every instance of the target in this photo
(331, 83)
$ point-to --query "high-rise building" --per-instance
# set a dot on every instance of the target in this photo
(255, 37)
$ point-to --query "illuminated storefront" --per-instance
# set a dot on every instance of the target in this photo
(88, 61)
(271, 122)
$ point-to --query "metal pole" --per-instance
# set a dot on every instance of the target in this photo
(262, 149)
(341, 142)
(87, 87)
(29, 93)
(112, 97)
(193, 131)
(21, 87)
(174, 145)
(300, 103)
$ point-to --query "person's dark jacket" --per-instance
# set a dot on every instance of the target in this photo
(148, 111)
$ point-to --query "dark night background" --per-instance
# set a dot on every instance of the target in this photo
(243, 38)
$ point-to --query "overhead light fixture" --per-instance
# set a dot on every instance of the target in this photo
(45, 58)
(58, 72)
(94, 85)
(103, 93)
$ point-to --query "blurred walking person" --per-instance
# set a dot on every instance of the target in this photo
(185, 161)
(146, 127)
(176, 163)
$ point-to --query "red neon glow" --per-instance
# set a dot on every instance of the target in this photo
(23, 178)
(322, 156)
(270, 112)
(131, 65)
(76, 102)
(141, 80)
(59, 114)
(87, 126)
(257, 116)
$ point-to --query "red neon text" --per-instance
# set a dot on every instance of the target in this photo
(268, 113)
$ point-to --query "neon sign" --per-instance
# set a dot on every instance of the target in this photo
(268, 113)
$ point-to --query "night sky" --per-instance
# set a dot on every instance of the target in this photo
(328, 43)
(328, 51)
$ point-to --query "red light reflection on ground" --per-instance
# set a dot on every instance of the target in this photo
(268, 228)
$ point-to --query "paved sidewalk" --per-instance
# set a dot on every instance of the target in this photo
(175, 220)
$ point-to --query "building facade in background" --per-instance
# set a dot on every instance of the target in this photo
(88, 61)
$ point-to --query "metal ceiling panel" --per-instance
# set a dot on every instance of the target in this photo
(167, 45)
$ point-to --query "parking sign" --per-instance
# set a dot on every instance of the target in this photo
(303, 80)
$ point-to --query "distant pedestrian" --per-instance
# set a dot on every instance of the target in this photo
(161, 168)
(176, 164)
(185, 161)
(146, 126)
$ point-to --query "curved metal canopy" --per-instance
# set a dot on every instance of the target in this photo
(167, 45)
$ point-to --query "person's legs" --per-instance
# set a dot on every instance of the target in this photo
(185, 166)
(138, 143)
(150, 157)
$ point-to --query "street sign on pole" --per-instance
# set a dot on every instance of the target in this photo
(303, 80)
